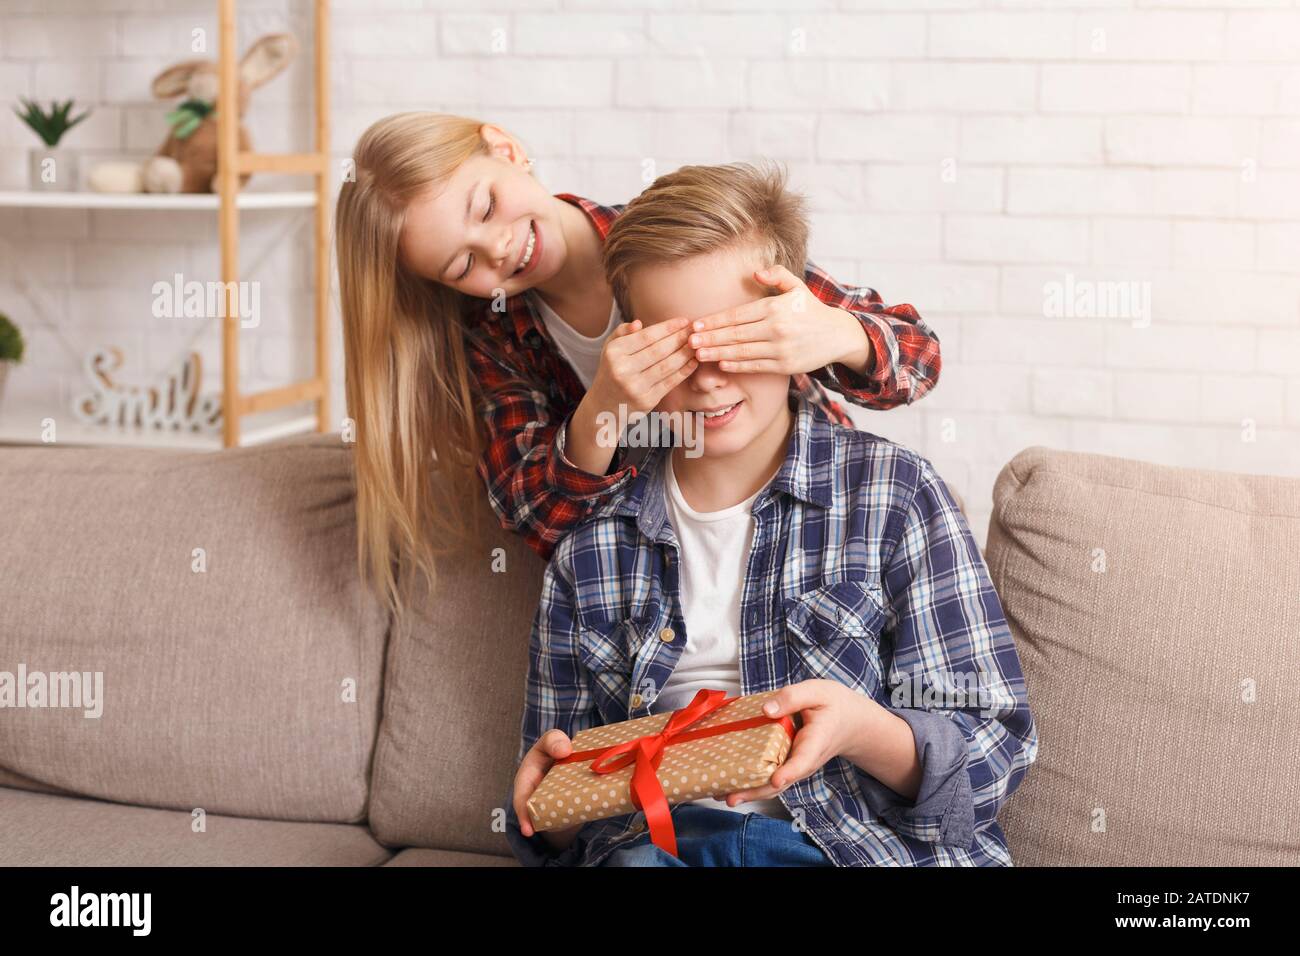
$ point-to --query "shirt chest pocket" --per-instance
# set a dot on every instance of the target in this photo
(609, 648)
(834, 633)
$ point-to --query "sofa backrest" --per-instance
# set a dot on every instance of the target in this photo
(453, 696)
(218, 596)
(1156, 611)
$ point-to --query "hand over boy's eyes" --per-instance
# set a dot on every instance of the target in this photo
(639, 366)
(786, 334)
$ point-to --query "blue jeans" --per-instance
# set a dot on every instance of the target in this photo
(710, 837)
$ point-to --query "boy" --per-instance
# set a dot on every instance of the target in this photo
(792, 554)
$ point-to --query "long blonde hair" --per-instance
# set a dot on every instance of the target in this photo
(409, 388)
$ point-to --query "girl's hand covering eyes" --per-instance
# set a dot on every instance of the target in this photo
(639, 366)
(786, 334)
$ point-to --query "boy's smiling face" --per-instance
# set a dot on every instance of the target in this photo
(693, 288)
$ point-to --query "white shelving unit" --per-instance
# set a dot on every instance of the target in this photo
(272, 411)
(21, 424)
(189, 201)
(21, 420)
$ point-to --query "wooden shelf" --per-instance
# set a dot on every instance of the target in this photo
(272, 412)
(231, 161)
(20, 424)
(33, 199)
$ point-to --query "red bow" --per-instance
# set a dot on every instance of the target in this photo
(648, 752)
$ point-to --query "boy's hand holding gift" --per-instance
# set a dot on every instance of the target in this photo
(786, 334)
(734, 748)
(713, 746)
(550, 747)
(836, 721)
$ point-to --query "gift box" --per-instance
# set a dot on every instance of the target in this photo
(714, 746)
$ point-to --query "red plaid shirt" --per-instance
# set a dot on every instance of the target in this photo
(527, 392)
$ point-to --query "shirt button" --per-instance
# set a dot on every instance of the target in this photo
(636, 701)
(666, 635)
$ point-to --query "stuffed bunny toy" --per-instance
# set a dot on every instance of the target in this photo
(187, 161)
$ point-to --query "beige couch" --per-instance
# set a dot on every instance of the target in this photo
(259, 708)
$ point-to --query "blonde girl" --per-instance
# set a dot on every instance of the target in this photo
(482, 343)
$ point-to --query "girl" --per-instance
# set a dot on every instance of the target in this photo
(480, 335)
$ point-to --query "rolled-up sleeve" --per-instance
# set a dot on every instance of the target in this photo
(533, 487)
(905, 357)
(943, 810)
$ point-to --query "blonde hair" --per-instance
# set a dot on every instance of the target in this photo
(703, 209)
(409, 387)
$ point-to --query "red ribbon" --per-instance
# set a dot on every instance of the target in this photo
(648, 752)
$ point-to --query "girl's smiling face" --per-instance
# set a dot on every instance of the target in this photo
(491, 226)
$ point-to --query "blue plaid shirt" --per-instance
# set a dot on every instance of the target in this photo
(863, 571)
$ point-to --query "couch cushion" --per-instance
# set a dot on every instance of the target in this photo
(1157, 616)
(222, 689)
(453, 697)
(46, 830)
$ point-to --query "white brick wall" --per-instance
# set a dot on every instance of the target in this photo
(966, 156)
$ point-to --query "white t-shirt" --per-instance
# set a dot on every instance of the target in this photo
(715, 548)
(583, 353)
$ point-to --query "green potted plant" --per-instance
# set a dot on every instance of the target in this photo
(51, 168)
(11, 349)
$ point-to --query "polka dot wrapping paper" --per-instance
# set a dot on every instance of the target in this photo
(571, 793)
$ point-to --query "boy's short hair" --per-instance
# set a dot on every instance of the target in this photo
(698, 210)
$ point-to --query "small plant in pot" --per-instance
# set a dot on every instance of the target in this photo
(51, 168)
(11, 350)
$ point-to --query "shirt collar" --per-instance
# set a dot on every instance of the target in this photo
(806, 474)
(602, 217)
